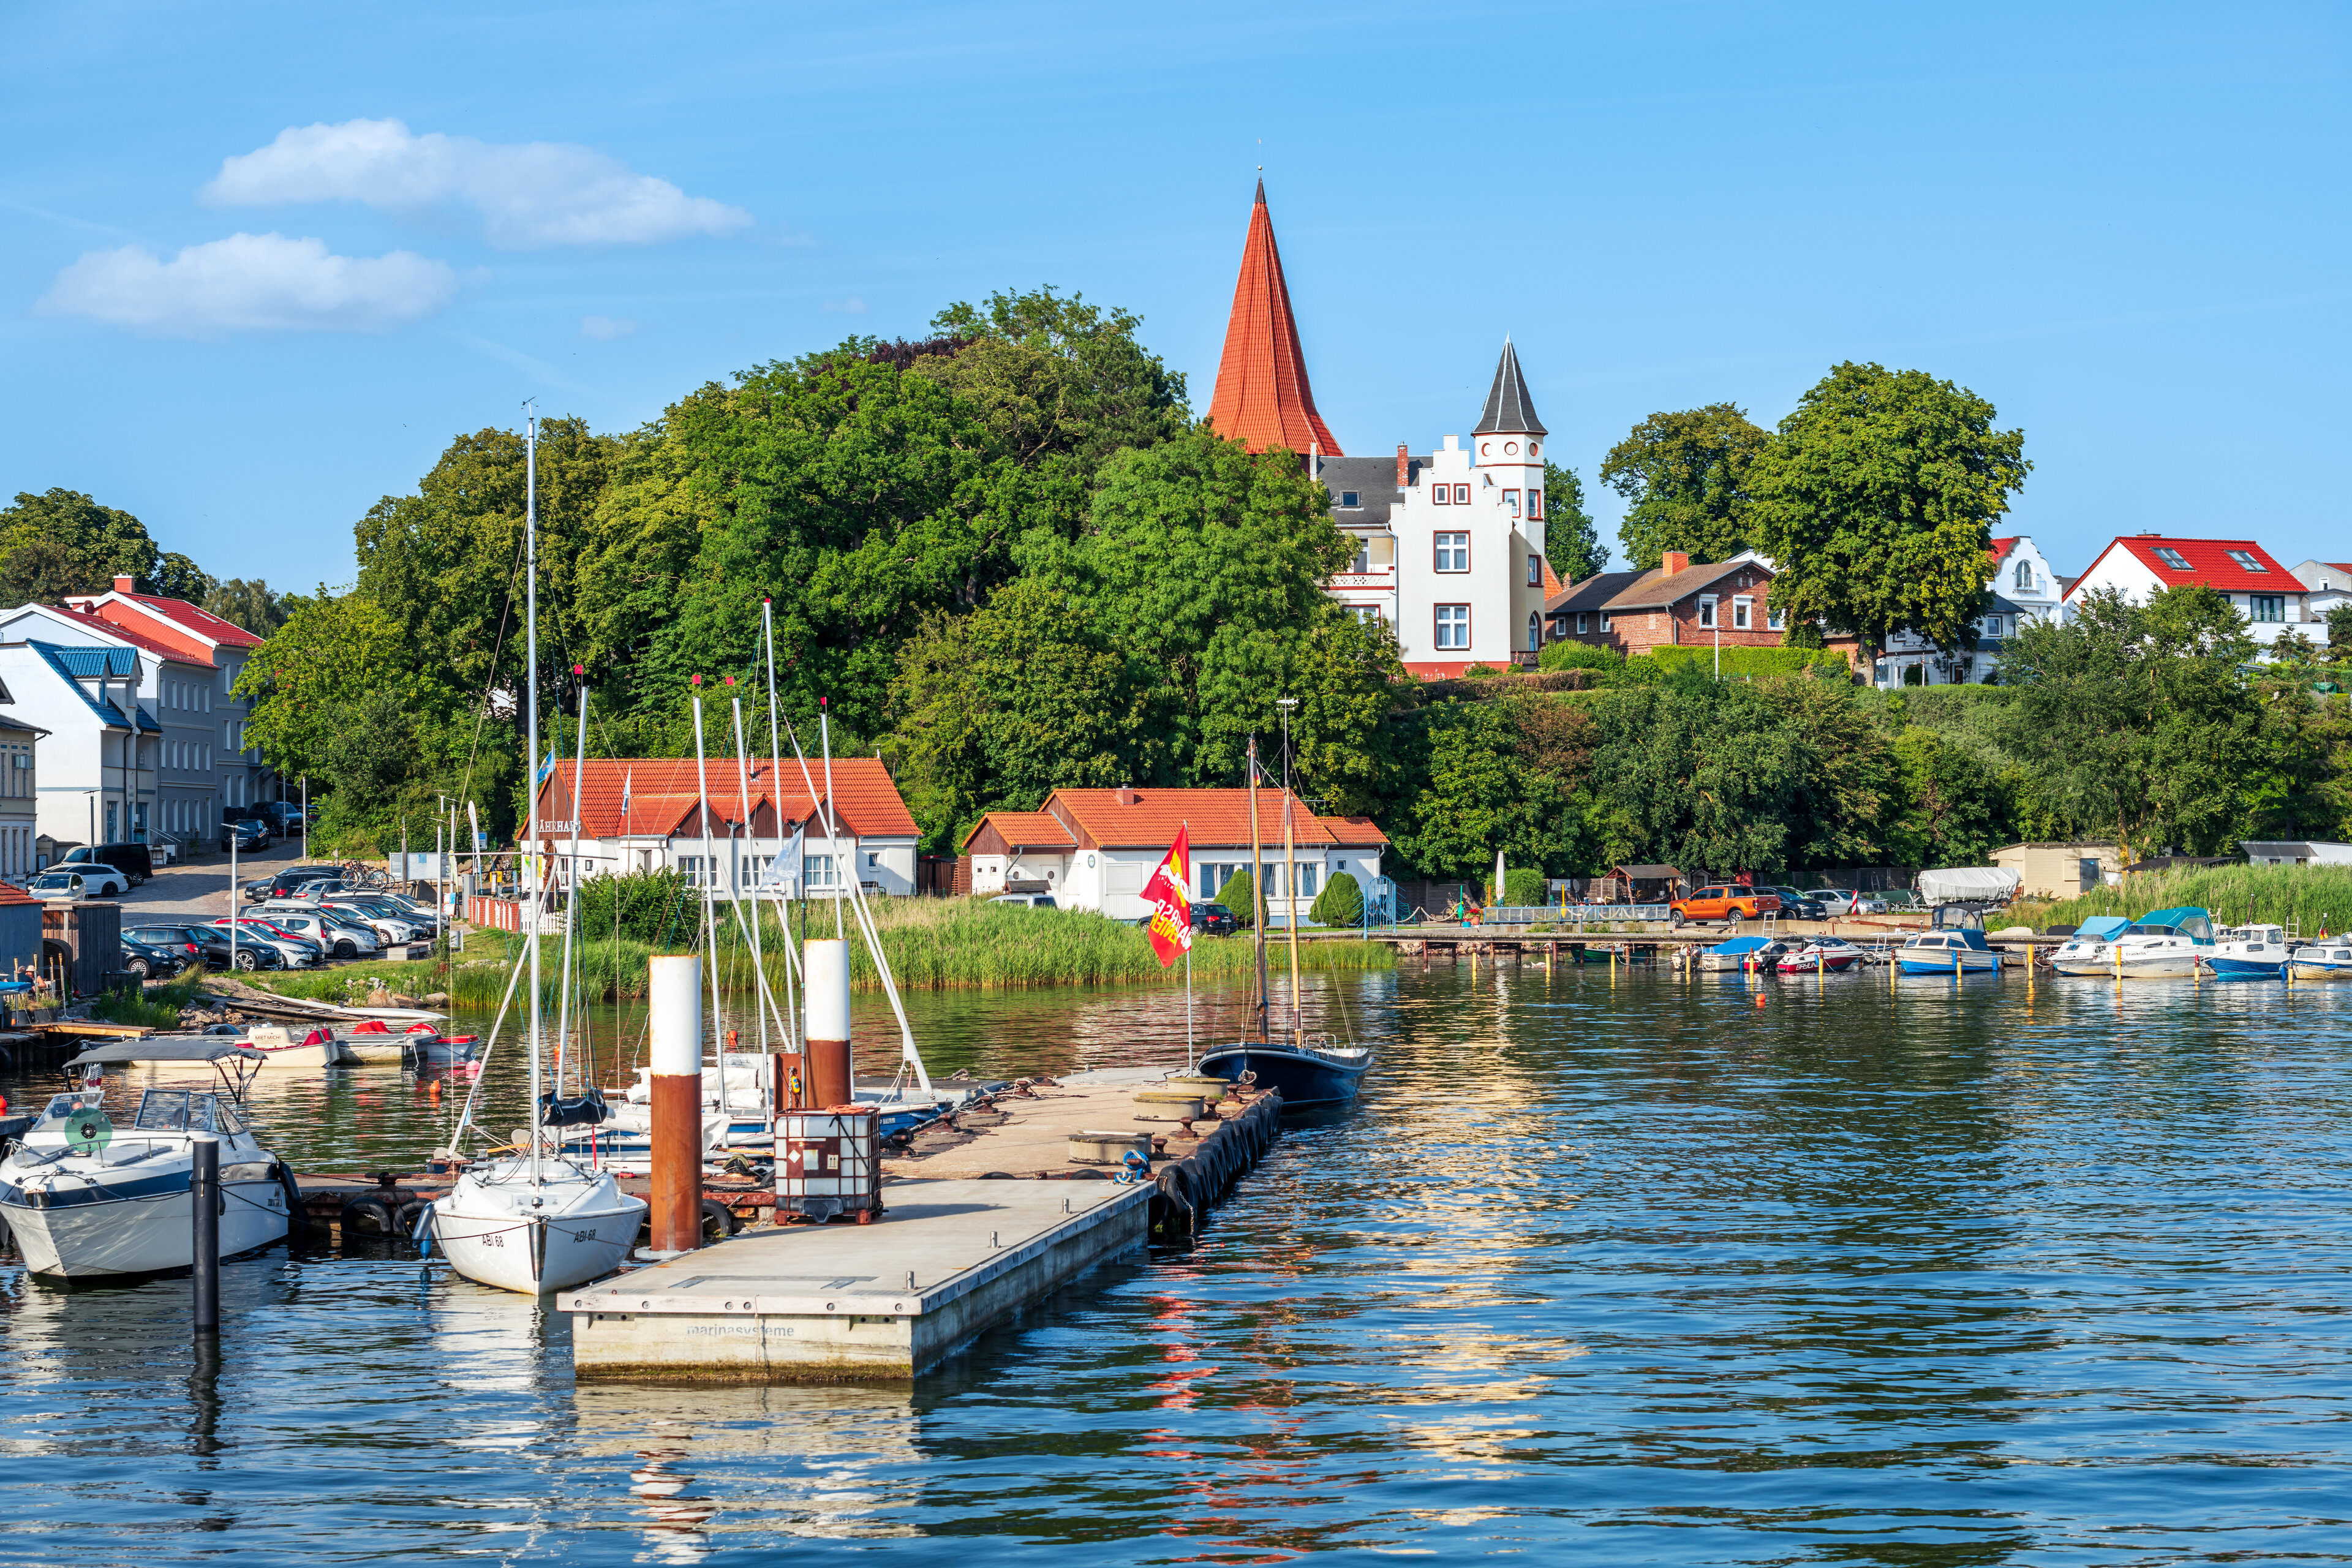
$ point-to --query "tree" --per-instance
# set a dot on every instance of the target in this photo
(1340, 903)
(1498, 777)
(336, 651)
(1685, 477)
(248, 602)
(1571, 543)
(1238, 896)
(80, 547)
(1949, 805)
(2339, 632)
(1056, 376)
(1877, 501)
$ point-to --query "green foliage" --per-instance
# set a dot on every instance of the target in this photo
(1953, 808)
(2339, 632)
(1571, 543)
(1055, 378)
(654, 907)
(1685, 477)
(1745, 663)
(335, 652)
(248, 601)
(1340, 903)
(1239, 895)
(1877, 498)
(1500, 775)
(2312, 898)
(62, 542)
(1522, 886)
(1570, 654)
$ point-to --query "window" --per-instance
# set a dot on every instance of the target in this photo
(1440, 495)
(1307, 877)
(1511, 501)
(1604, 620)
(1535, 632)
(1453, 553)
(2266, 606)
(820, 872)
(1775, 618)
(1363, 560)
(1461, 495)
(1706, 610)
(1348, 497)
(2024, 578)
(2173, 558)
(1582, 622)
(1740, 608)
(1368, 614)
(2245, 558)
(1535, 570)
(1453, 626)
(1535, 501)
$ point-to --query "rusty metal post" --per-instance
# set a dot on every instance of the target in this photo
(676, 1007)
(825, 967)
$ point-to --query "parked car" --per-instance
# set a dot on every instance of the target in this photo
(342, 935)
(154, 961)
(1796, 905)
(1216, 918)
(84, 880)
(1027, 901)
(390, 922)
(1724, 903)
(244, 837)
(298, 951)
(208, 946)
(131, 860)
(292, 880)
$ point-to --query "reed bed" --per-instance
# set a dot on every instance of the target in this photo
(933, 943)
(2310, 899)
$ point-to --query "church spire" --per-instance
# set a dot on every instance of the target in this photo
(1262, 396)
(1509, 407)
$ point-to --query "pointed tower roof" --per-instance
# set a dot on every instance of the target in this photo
(1262, 397)
(1509, 407)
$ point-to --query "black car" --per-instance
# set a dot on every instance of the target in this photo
(1215, 919)
(1795, 905)
(205, 944)
(244, 837)
(154, 961)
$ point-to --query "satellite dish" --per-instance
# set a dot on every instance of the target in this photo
(88, 1131)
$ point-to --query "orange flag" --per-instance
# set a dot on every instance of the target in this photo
(1171, 907)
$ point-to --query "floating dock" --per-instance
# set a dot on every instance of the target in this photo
(871, 1302)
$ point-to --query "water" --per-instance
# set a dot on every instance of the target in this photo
(1629, 1274)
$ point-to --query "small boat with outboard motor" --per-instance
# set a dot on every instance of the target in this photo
(1954, 945)
(2329, 957)
(2248, 952)
(88, 1199)
(1825, 954)
(2163, 945)
(1742, 954)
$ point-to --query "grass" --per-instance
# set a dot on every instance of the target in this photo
(2311, 898)
(933, 943)
(157, 1008)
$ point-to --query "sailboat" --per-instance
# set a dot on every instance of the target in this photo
(540, 1221)
(1309, 1075)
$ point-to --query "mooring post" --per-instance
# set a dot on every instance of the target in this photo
(204, 1214)
(825, 970)
(675, 987)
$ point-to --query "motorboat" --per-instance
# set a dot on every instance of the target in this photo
(2092, 934)
(2329, 957)
(1955, 945)
(1742, 954)
(1830, 955)
(278, 1047)
(2163, 945)
(86, 1199)
(1307, 1075)
(2248, 952)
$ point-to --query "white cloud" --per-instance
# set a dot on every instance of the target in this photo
(250, 283)
(525, 195)
(852, 306)
(604, 328)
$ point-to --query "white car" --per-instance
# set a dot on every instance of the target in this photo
(298, 952)
(79, 881)
(1848, 901)
(388, 927)
(343, 937)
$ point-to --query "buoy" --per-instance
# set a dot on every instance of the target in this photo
(1759, 998)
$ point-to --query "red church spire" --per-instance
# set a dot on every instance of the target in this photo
(1262, 397)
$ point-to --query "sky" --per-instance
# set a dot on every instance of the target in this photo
(259, 264)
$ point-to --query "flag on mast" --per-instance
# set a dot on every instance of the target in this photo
(1171, 907)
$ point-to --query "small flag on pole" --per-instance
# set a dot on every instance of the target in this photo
(1171, 906)
(628, 780)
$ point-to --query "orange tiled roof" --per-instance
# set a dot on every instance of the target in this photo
(1217, 817)
(1262, 398)
(664, 795)
(1024, 830)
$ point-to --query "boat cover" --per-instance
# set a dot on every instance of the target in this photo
(1740, 944)
(1981, 884)
(2098, 928)
(130, 1053)
(2188, 919)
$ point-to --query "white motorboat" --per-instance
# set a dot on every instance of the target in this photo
(2163, 945)
(88, 1199)
(277, 1048)
(2329, 957)
(2248, 952)
(1946, 952)
(1823, 954)
(1742, 954)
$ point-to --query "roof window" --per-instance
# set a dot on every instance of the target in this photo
(2173, 558)
(1348, 497)
(2245, 558)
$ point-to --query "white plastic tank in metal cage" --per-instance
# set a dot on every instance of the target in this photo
(828, 1161)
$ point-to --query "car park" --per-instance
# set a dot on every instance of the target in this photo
(153, 961)
(389, 923)
(298, 952)
(340, 936)
(1724, 902)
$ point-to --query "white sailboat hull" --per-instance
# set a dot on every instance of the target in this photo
(580, 1229)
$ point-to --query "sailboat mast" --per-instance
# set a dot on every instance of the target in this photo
(571, 897)
(832, 818)
(1290, 876)
(776, 762)
(1257, 891)
(711, 915)
(530, 741)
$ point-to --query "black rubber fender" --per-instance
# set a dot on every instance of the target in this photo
(412, 1214)
(369, 1215)
(298, 1215)
(718, 1221)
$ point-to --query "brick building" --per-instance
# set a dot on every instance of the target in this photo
(1672, 603)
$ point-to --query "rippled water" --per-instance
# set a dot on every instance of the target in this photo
(1638, 1272)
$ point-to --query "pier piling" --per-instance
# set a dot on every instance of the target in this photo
(675, 987)
(203, 1217)
(827, 1004)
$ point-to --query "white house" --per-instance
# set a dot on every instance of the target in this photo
(235, 774)
(1450, 546)
(98, 775)
(1096, 848)
(644, 814)
(174, 688)
(2330, 585)
(2023, 589)
(2141, 565)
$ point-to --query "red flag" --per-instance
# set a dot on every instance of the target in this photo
(1171, 907)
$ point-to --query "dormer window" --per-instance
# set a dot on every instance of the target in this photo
(2173, 558)
(2025, 573)
(1348, 497)
(2245, 558)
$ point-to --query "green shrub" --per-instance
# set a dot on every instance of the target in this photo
(1523, 886)
(1235, 895)
(651, 906)
(1746, 663)
(1567, 655)
(1340, 903)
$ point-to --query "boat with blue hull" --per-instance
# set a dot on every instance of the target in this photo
(2248, 952)
(1742, 954)
(1309, 1077)
(1956, 946)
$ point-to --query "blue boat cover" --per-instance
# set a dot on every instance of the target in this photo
(2100, 927)
(2188, 919)
(1738, 945)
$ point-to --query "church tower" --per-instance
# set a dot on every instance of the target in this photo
(1262, 397)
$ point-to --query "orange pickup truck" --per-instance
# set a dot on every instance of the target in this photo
(1725, 903)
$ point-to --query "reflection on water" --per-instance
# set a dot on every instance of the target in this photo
(1629, 1272)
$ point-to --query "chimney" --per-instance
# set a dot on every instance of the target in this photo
(1405, 467)
(1674, 560)
(122, 586)
(1125, 796)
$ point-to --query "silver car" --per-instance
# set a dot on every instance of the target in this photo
(298, 952)
(343, 936)
(1848, 901)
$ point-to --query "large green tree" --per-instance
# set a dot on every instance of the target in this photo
(1498, 777)
(63, 542)
(1876, 501)
(1571, 543)
(1684, 477)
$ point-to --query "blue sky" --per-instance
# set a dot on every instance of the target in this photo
(2125, 225)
